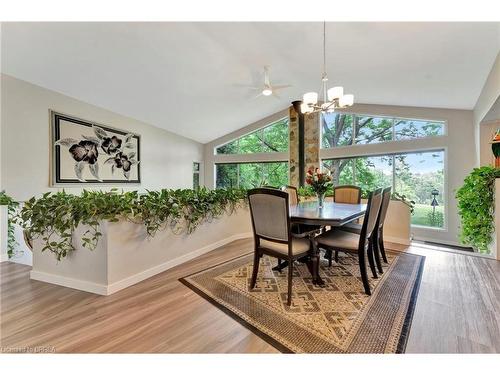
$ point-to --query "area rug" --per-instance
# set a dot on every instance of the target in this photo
(336, 318)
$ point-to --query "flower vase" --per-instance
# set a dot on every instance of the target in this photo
(321, 199)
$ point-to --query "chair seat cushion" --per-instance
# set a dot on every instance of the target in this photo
(299, 246)
(352, 227)
(339, 239)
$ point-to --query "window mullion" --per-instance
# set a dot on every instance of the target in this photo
(393, 173)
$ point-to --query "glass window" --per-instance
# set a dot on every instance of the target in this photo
(411, 129)
(251, 175)
(419, 176)
(226, 176)
(196, 175)
(251, 143)
(276, 174)
(228, 148)
(342, 170)
(276, 137)
(337, 130)
(372, 129)
(273, 138)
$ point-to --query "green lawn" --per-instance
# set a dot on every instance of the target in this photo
(421, 216)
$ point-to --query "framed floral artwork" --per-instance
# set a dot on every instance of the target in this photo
(84, 152)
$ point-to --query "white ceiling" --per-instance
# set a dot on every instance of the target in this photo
(188, 77)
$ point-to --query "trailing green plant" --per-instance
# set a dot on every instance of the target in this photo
(55, 216)
(402, 198)
(476, 208)
(12, 205)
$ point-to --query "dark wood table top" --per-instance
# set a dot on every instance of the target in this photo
(333, 214)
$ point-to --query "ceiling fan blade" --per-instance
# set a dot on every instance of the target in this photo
(246, 86)
(266, 76)
(276, 95)
(257, 96)
(280, 87)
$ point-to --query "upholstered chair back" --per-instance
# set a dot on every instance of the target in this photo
(347, 194)
(293, 196)
(270, 213)
(373, 207)
(386, 198)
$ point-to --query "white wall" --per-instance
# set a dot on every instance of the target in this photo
(487, 98)
(166, 158)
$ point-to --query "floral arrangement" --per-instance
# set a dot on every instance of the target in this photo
(319, 182)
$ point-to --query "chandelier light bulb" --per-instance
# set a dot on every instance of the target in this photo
(305, 108)
(346, 100)
(335, 93)
(310, 98)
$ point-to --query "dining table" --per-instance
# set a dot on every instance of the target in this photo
(330, 214)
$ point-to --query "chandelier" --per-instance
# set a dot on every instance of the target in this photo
(333, 98)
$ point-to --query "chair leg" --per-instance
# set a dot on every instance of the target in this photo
(256, 261)
(371, 260)
(381, 245)
(376, 254)
(290, 283)
(279, 265)
(328, 255)
(336, 256)
(362, 268)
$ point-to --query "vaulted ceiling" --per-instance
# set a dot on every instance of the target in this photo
(190, 78)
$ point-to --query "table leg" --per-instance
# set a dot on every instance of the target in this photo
(281, 266)
(314, 269)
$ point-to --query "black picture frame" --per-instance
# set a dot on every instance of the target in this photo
(57, 179)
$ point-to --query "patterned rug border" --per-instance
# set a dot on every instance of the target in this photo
(405, 331)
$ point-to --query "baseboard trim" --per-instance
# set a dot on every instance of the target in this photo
(105, 290)
(138, 277)
(398, 240)
(68, 282)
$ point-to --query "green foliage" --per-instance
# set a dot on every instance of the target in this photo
(435, 219)
(55, 216)
(12, 205)
(476, 207)
(405, 200)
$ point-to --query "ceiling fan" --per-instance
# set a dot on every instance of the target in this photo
(268, 89)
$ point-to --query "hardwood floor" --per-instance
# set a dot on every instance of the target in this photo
(458, 310)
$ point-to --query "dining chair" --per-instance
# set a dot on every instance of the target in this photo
(348, 242)
(270, 212)
(349, 194)
(378, 235)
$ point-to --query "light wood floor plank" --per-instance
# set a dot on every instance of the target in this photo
(458, 310)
